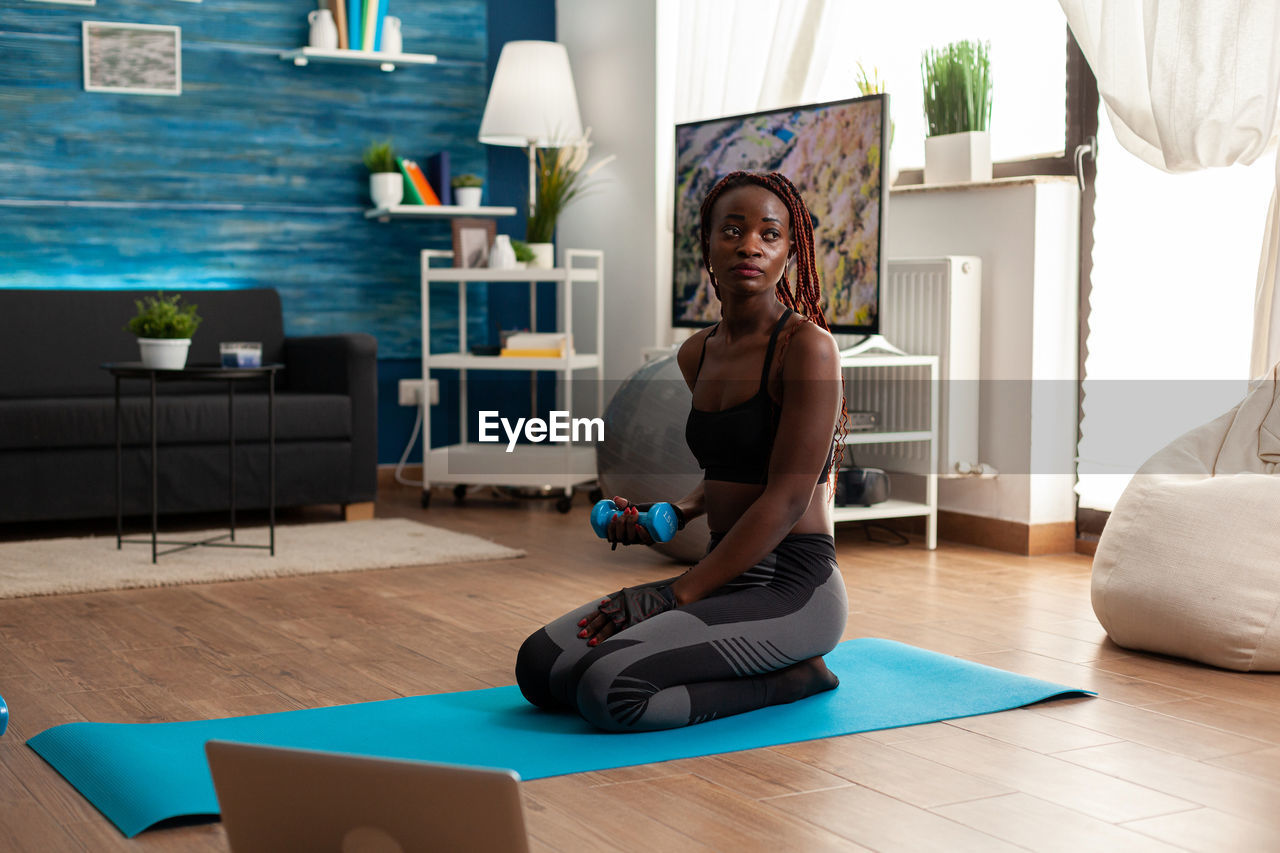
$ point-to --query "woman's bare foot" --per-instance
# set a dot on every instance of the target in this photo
(800, 680)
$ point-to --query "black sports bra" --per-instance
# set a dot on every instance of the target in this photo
(734, 444)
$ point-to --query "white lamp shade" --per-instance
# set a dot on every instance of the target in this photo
(532, 100)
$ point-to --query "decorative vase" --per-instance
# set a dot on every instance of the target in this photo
(386, 189)
(467, 196)
(391, 42)
(503, 255)
(324, 32)
(164, 353)
(956, 158)
(544, 255)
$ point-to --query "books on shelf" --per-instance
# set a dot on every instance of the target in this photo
(339, 10)
(355, 17)
(537, 345)
(439, 177)
(417, 189)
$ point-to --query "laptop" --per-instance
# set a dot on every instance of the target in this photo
(274, 799)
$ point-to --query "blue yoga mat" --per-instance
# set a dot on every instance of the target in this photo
(140, 773)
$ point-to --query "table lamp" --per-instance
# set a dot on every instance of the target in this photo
(532, 101)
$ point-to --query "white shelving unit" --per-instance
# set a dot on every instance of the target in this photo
(386, 61)
(892, 432)
(557, 466)
(428, 211)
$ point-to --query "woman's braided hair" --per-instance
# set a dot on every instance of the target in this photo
(806, 297)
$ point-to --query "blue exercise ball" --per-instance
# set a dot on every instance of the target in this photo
(644, 456)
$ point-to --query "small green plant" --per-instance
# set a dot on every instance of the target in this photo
(523, 252)
(161, 316)
(467, 180)
(869, 83)
(380, 157)
(957, 87)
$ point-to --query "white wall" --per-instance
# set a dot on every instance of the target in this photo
(613, 53)
(1025, 232)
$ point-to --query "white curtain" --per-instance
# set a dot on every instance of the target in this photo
(720, 45)
(1190, 84)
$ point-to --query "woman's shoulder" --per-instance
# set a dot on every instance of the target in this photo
(808, 347)
(691, 351)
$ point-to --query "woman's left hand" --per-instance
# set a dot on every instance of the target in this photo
(626, 607)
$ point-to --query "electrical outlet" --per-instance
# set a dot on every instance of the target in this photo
(411, 392)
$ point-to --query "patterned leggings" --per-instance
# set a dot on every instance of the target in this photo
(698, 662)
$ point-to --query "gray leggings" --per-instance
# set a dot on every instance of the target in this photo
(698, 662)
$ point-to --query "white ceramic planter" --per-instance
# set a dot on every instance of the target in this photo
(164, 353)
(544, 255)
(467, 196)
(386, 188)
(957, 158)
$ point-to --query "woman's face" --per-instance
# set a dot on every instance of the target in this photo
(750, 239)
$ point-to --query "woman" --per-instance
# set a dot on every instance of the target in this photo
(747, 625)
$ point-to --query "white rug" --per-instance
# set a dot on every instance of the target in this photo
(51, 566)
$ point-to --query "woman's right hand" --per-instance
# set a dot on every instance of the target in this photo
(624, 528)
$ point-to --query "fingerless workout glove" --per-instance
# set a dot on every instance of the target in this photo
(631, 605)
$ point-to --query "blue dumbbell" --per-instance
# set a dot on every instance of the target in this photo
(659, 519)
(4, 715)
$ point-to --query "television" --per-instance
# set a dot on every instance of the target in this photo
(834, 154)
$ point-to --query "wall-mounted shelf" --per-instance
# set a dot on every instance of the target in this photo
(385, 61)
(448, 211)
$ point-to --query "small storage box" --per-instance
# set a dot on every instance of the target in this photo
(241, 354)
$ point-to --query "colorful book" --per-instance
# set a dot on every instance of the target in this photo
(369, 25)
(411, 194)
(439, 177)
(377, 33)
(355, 14)
(339, 10)
(422, 184)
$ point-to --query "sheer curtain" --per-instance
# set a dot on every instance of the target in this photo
(1177, 291)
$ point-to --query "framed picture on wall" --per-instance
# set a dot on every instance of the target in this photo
(472, 239)
(138, 59)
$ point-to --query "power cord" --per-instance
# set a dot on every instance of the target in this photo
(404, 457)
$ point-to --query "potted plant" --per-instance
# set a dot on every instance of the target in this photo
(467, 190)
(164, 329)
(957, 105)
(871, 84)
(386, 184)
(561, 178)
(524, 255)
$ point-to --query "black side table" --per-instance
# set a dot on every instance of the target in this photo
(198, 373)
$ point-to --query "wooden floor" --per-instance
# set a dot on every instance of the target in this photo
(1170, 755)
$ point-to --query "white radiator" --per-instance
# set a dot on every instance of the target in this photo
(928, 306)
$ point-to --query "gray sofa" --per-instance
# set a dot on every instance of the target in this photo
(57, 422)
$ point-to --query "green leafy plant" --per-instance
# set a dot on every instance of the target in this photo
(161, 316)
(871, 84)
(957, 87)
(523, 252)
(467, 180)
(380, 157)
(561, 177)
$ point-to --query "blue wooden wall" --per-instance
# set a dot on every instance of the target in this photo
(252, 176)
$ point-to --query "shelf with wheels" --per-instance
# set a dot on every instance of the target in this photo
(893, 385)
(559, 466)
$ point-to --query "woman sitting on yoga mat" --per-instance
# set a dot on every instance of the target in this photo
(746, 627)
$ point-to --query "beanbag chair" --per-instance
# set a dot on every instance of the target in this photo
(1189, 561)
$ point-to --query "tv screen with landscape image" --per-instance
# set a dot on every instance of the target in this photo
(834, 154)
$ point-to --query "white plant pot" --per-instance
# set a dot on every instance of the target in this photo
(467, 196)
(544, 255)
(164, 353)
(957, 158)
(386, 188)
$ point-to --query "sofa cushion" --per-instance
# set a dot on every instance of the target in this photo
(55, 340)
(180, 419)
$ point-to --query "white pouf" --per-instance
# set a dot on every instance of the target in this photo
(1189, 562)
